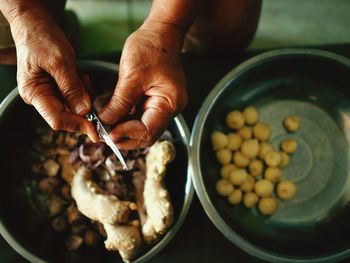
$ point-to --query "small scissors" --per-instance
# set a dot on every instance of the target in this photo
(92, 117)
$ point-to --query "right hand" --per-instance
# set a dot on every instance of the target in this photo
(150, 75)
(47, 75)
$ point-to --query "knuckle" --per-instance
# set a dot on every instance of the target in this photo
(129, 77)
(118, 102)
(26, 93)
(71, 91)
(37, 96)
(176, 100)
(26, 84)
(25, 67)
(57, 123)
(32, 96)
(57, 61)
(54, 123)
(151, 137)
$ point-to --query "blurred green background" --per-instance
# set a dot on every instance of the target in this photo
(105, 24)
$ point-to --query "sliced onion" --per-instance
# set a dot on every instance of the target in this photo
(74, 156)
(85, 158)
(92, 154)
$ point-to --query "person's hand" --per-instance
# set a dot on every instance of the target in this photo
(47, 75)
(150, 73)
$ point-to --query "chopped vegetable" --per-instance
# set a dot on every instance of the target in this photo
(58, 156)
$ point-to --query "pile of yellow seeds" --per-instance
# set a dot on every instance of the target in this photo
(251, 168)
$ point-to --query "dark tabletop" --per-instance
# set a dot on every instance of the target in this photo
(198, 240)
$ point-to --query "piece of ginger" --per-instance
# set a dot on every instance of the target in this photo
(139, 182)
(156, 197)
(109, 211)
(155, 210)
(95, 205)
(124, 238)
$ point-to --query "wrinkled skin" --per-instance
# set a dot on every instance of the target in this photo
(149, 70)
(47, 75)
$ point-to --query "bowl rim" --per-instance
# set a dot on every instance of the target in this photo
(195, 148)
(13, 96)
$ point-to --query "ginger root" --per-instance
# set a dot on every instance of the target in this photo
(151, 197)
(95, 205)
(124, 238)
(109, 211)
(139, 182)
(156, 198)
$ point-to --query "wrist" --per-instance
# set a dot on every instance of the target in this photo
(29, 20)
(169, 33)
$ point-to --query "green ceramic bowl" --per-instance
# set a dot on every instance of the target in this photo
(32, 236)
(315, 85)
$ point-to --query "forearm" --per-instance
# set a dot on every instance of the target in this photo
(173, 18)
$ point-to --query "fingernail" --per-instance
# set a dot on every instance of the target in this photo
(107, 116)
(80, 108)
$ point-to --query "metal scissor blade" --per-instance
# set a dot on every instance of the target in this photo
(92, 117)
(116, 151)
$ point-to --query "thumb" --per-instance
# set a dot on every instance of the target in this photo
(120, 104)
(71, 88)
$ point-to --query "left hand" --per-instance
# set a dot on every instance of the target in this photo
(150, 70)
(47, 73)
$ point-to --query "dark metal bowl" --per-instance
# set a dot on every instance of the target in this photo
(314, 226)
(34, 238)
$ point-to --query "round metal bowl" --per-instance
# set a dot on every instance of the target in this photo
(314, 226)
(34, 239)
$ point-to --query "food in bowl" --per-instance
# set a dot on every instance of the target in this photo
(289, 146)
(256, 172)
(291, 123)
(313, 85)
(88, 196)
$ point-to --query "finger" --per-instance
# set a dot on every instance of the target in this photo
(129, 144)
(44, 99)
(122, 101)
(85, 79)
(130, 135)
(70, 86)
(130, 130)
(141, 133)
(156, 121)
